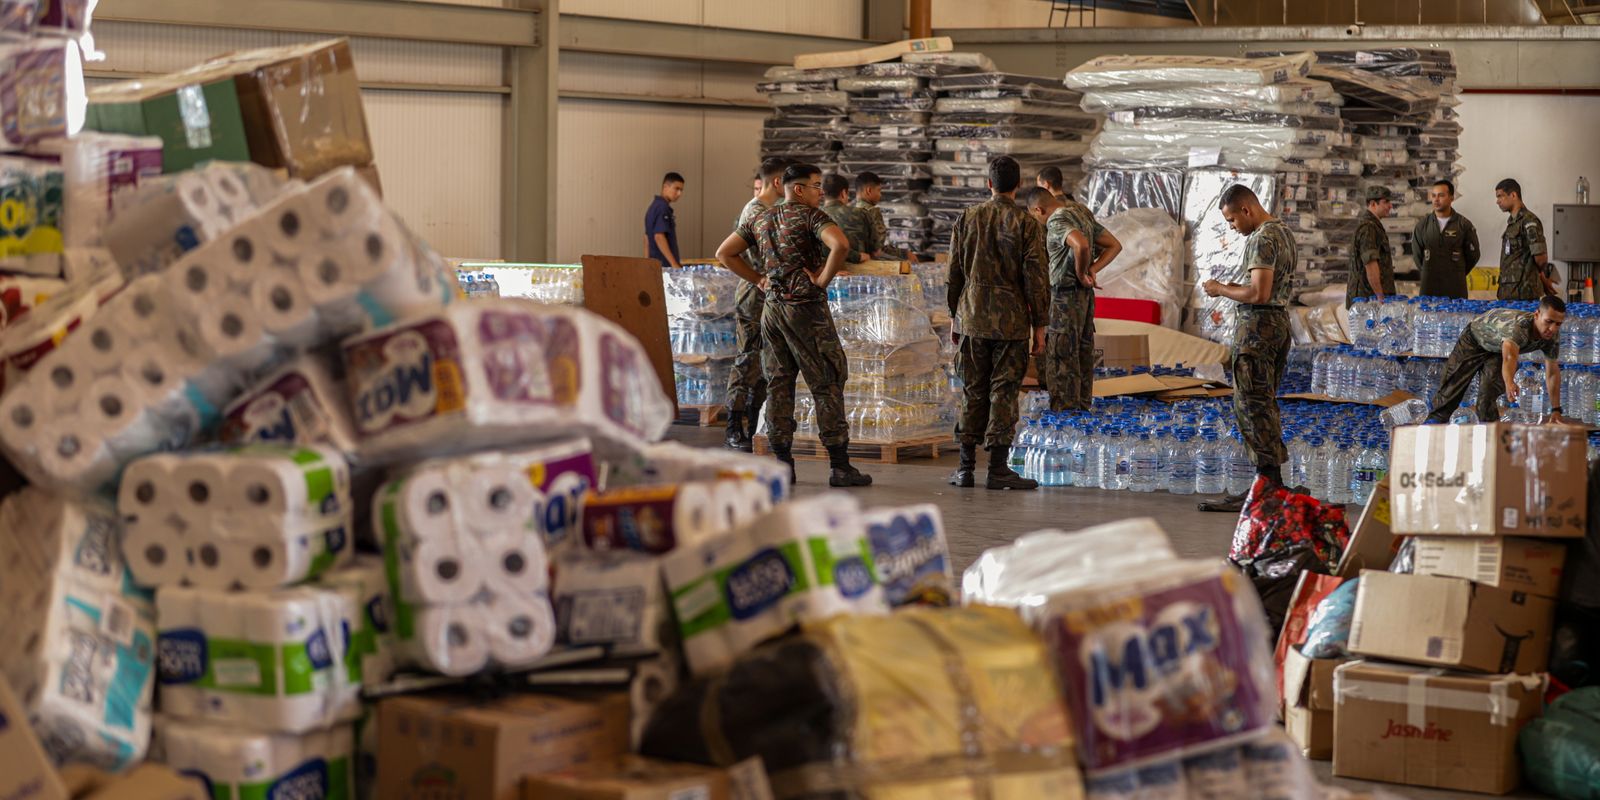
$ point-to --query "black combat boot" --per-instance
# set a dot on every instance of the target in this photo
(737, 439)
(785, 455)
(1000, 474)
(842, 474)
(969, 465)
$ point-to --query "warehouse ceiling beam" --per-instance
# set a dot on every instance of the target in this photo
(1487, 56)
(586, 34)
(412, 20)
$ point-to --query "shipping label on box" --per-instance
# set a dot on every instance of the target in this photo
(1497, 479)
(1523, 565)
(1451, 622)
(1427, 727)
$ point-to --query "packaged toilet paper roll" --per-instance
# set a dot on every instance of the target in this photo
(515, 564)
(80, 644)
(674, 462)
(521, 629)
(449, 640)
(372, 657)
(911, 556)
(161, 220)
(279, 481)
(157, 552)
(269, 661)
(245, 764)
(804, 560)
(563, 473)
(98, 167)
(299, 404)
(285, 308)
(653, 519)
(609, 599)
(499, 498)
(498, 373)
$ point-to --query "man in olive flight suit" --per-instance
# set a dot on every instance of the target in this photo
(1371, 258)
(1078, 248)
(1444, 245)
(1260, 347)
(802, 250)
(1523, 254)
(1000, 299)
(747, 388)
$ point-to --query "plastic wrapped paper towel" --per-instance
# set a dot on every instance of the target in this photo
(257, 517)
(1159, 658)
(162, 356)
(270, 661)
(30, 234)
(41, 90)
(804, 560)
(612, 599)
(564, 473)
(299, 404)
(371, 659)
(1268, 766)
(466, 564)
(240, 764)
(155, 224)
(659, 519)
(674, 462)
(79, 642)
(911, 555)
(98, 170)
(496, 371)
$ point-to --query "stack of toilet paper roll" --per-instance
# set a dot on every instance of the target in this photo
(659, 519)
(610, 600)
(240, 764)
(564, 473)
(484, 374)
(802, 561)
(78, 643)
(298, 404)
(467, 565)
(98, 169)
(166, 217)
(28, 338)
(673, 462)
(911, 555)
(153, 367)
(256, 517)
(371, 659)
(266, 660)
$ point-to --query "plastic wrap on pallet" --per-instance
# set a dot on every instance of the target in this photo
(1112, 191)
(807, 99)
(1124, 70)
(1230, 96)
(1151, 264)
(972, 61)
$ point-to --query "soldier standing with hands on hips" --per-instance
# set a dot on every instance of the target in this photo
(747, 388)
(1260, 347)
(802, 250)
(1000, 299)
(1523, 255)
(1078, 247)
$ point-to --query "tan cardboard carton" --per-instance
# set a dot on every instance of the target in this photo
(1451, 622)
(1523, 565)
(25, 770)
(1489, 480)
(1372, 544)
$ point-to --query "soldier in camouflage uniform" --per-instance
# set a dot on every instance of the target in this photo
(855, 223)
(1489, 348)
(1371, 259)
(1523, 254)
(869, 192)
(1051, 180)
(747, 388)
(1078, 247)
(802, 250)
(1260, 347)
(999, 295)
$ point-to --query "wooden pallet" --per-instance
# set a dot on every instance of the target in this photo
(811, 449)
(704, 416)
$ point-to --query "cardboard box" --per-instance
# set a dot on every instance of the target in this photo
(147, 781)
(1523, 565)
(449, 746)
(872, 55)
(1404, 724)
(1372, 545)
(635, 778)
(1451, 622)
(195, 113)
(1308, 703)
(1489, 480)
(302, 107)
(1121, 352)
(25, 770)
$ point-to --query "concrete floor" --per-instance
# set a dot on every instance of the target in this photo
(977, 519)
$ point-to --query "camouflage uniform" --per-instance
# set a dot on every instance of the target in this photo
(1477, 352)
(1445, 255)
(1068, 367)
(1522, 239)
(1261, 345)
(1372, 244)
(857, 226)
(999, 292)
(747, 388)
(796, 326)
(880, 231)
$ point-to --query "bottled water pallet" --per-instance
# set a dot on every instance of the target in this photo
(705, 416)
(811, 449)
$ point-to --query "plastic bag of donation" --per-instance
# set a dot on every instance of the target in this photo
(1151, 264)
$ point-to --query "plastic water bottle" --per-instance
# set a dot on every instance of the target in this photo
(1058, 464)
(1080, 458)
(1409, 412)
(1299, 463)
(1144, 465)
(1096, 458)
(1019, 449)
(1318, 469)
(1369, 462)
(1583, 190)
(1241, 472)
(1181, 475)
(1339, 473)
(1211, 466)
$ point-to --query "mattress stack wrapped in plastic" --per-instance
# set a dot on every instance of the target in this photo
(808, 115)
(887, 135)
(700, 322)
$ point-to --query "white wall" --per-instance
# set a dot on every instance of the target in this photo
(1036, 14)
(839, 18)
(1543, 141)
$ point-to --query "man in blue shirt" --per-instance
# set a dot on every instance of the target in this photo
(660, 226)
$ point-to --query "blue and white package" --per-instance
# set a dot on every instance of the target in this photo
(239, 764)
(80, 649)
(911, 556)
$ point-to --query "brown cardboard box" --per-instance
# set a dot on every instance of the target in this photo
(302, 107)
(1523, 565)
(1372, 544)
(431, 747)
(636, 778)
(1308, 703)
(1451, 622)
(1489, 480)
(147, 781)
(25, 771)
(1121, 352)
(1405, 724)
